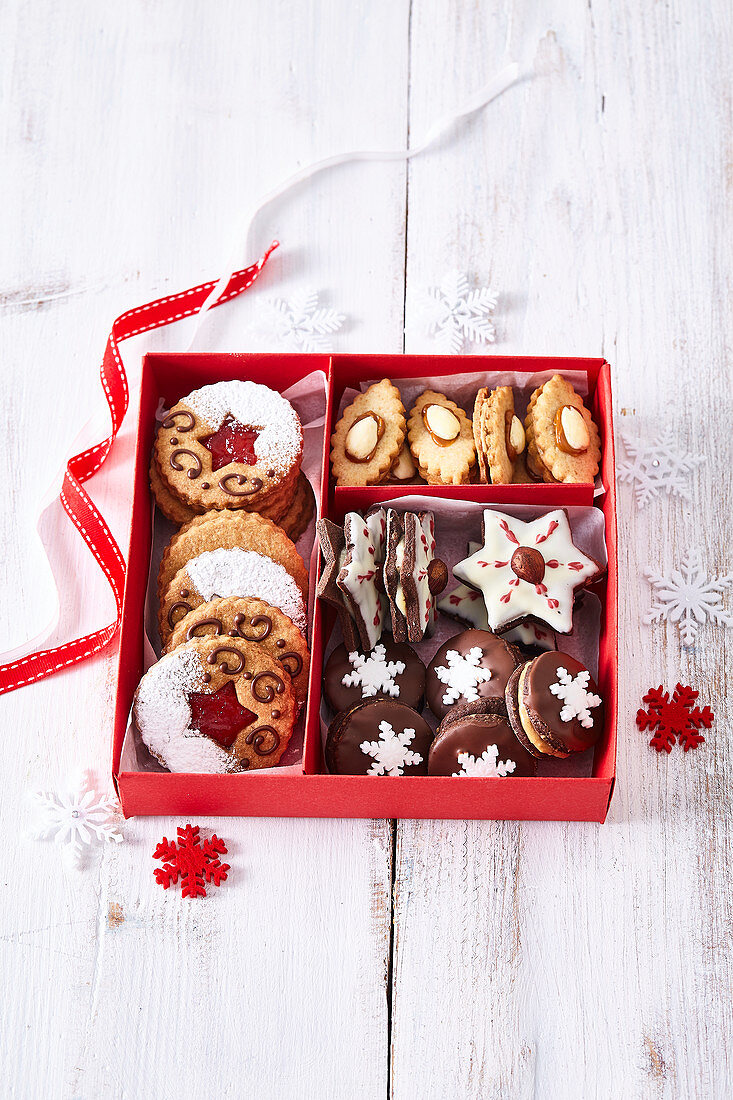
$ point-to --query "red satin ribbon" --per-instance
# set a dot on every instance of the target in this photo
(77, 503)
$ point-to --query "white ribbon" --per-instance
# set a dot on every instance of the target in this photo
(479, 99)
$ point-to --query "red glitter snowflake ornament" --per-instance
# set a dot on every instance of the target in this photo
(676, 716)
(192, 860)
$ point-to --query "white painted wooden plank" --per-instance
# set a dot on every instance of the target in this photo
(135, 139)
(572, 960)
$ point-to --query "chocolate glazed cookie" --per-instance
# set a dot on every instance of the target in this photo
(475, 740)
(381, 738)
(469, 667)
(554, 706)
(391, 671)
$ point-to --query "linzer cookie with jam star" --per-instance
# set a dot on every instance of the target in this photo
(215, 705)
(227, 573)
(231, 445)
(528, 570)
(251, 620)
(369, 435)
(563, 443)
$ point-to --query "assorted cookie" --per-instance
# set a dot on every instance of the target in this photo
(392, 670)
(233, 589)
(528, 570)
(441, 440)
(471, 667)
(230, 445)
(554, 706)
(252, 620)
(368, 438)
(215, 705)
(380, 738)
(558, 441)
(475, 740)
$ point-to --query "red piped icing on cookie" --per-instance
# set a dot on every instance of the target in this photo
(220, 715)
(232, 442)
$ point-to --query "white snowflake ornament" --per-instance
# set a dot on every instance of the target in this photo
(657, 465)
(373, 672)
(462, 675)
(75, 817)
(487, 764)
(689, 597)
(455, 314)
(578, 701)
(390, 753)
(298, 324)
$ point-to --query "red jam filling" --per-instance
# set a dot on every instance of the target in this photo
(233, 442)
(220, 715)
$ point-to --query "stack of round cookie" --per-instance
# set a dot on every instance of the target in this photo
(236, 446)
(233, 594)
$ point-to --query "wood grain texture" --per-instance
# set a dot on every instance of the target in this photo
(593, 199)
(476, 959)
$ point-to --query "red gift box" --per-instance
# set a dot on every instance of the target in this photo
(312, 792)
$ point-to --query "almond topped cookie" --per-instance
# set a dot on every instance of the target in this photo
(562, 438)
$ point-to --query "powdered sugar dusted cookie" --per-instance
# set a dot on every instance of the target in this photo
(392, 670)
(226, 530)
(554, 706)
(564, 439)
(368, 437)
(441, 440)
(231, 573)
(500, 435)
(359, 575)
(251, 620)
(231, 445)
(528, 570)
(215, 705)
(470, 667)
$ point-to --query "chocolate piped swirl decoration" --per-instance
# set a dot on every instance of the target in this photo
(256, 738)
(217, 623)
(185, 425)
(256, 621)
(193, 471)
(180, 605)
(254, 486)
(265, 693)
(297, 665)
(232, 670)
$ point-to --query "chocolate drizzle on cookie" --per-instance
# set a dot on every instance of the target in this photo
(191, 632)
(257, 620)
(185, 426)
(256, 739)
(240, 479)
(180, 605)
(297, 663)
(265, 693)
(193, 471)
(214, 658)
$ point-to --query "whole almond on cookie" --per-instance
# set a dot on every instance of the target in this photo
(441, 439)
(367, 439)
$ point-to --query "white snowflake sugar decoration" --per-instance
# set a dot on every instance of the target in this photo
(390, 753)
(374, 673)
(578, 701)
(299, 323)
(455, 314)
(462, 675)
(689, 597)
(488, 764)
(75, 817)
(657, 465)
